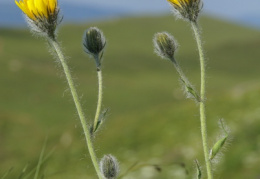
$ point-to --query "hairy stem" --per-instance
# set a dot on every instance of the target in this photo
(189, 89)
(82, 118)
(181, 73)
(202, 102)
(99, 104)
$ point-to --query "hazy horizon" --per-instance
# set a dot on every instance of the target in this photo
(237, 11)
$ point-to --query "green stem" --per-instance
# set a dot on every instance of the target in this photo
(99, 73)
(82, 118)
(203, 99)
(189, 89)
(180, 72)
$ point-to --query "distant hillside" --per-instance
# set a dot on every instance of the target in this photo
(11, 15)
(150, 121)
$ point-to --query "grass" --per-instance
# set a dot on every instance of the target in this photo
(150, 120)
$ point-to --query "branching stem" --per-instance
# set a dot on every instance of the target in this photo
(82, 118)
(202, 102)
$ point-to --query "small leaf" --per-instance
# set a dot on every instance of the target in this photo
(199, 173)
(101, 119)
(189, 89)
(216, 148)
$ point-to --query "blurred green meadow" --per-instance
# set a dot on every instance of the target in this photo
(150, 121)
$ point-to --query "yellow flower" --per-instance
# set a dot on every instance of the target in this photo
(37, 8)
(187, 9)
(43, 15)
(182, 2)
(176, 2)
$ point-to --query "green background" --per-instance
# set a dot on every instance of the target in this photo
(150, 121)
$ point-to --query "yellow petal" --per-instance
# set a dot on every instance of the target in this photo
(30, 5)
(46, 2)
(23, 6)
(52, 5)
(175, 2)
(41, 8)
(37, 8)
(19, 4)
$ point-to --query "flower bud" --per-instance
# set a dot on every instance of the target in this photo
(94, 43)
(165, 45)
(109, 167)
(187, 9)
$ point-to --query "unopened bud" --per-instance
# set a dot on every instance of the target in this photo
(109, 167)
(165, 45)
(94, 43)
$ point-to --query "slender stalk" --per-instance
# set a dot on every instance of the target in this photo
(82, 118)
(40, 160)
(182, 75)
(43, 161)
(189, 89)
(203, 99)
(99, 73)
(180, 72)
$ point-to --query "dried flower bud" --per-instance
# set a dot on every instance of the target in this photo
(165, 45)
(109, 167)
(94, 43)
(187, 9)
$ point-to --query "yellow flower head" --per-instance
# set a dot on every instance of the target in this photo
(37, 8)
(187, 9)
(42, 15)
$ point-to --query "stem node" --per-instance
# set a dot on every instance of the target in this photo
(75, 97)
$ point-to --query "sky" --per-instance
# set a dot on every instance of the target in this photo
(241, 11)
(225, 7)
